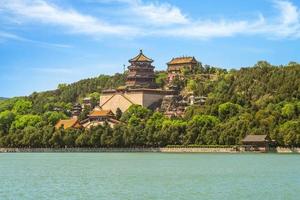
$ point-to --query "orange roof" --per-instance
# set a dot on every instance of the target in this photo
(101, 113)
(182, 60)
(67, 123)
(141, 58)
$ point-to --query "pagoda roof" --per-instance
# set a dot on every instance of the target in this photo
(182, 60)
(255, 138)
(101, 113)
(141, 58)
(68, 123)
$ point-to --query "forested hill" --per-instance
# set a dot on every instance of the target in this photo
(75, 92)
(262, 99)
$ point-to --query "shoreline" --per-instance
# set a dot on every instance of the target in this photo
(281, 150)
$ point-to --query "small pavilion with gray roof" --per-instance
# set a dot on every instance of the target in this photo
(257, 142)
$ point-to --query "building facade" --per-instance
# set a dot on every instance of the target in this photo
(176, 65)
(140, 88)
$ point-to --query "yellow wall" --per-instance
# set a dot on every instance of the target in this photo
(126, 99)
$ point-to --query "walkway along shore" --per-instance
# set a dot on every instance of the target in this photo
(162, 150)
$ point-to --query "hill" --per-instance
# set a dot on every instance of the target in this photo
(262, 99)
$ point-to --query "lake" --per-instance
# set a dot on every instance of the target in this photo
(148, 176)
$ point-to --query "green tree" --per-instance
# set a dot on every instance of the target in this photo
(26, 120)
(198, 129)
(227, 110)
(288, 110)
(290, 132)
(6, 119)
(95, 97)
(137, 111)
(52, 117)
(118, 113)
(22, 106)
(32, 137)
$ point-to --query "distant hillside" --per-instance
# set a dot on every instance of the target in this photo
(2, 98)
(263, 99)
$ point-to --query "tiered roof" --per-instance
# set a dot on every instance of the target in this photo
(140, 58)
(182, 60)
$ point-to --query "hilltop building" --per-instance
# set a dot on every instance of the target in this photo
(76, 110)
(87, 102)
(141, 72)
(96, 117)
(99, 117)
(176, 65)
(140, 88)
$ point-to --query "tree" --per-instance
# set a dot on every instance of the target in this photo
(57, 140)
(153, 129)
(161, 79)
(52, 117)
(70, 137)
(227, 110)
(6, 119)
(118, 113)
(83, 140)
(26, 120)
(95, 97)
(290, 132)
(172, 132)
(32, 137)
(192, 85)
(22, 106)
(288, 110)
(198, 127)
(137, 111)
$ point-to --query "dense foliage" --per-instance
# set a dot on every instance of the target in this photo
(262, 99)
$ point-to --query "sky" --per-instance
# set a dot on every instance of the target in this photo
(47, 42)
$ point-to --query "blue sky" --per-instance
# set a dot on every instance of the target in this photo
(47, 42)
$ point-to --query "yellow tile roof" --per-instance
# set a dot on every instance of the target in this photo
(141, 58)
(101, 113)
(182, 60)
(67, 123)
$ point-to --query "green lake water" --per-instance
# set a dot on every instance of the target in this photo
(148, 176)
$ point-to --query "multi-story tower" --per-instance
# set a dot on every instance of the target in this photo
(141, 72)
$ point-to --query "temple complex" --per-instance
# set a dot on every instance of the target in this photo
(140, 88)
(176, 65)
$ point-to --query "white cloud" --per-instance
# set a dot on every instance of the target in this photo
(10, 36)
(43, 12)
(211, 29)
(286, 25)
(289, 12)
(288, 22)
(156, 13)
(157, 19)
